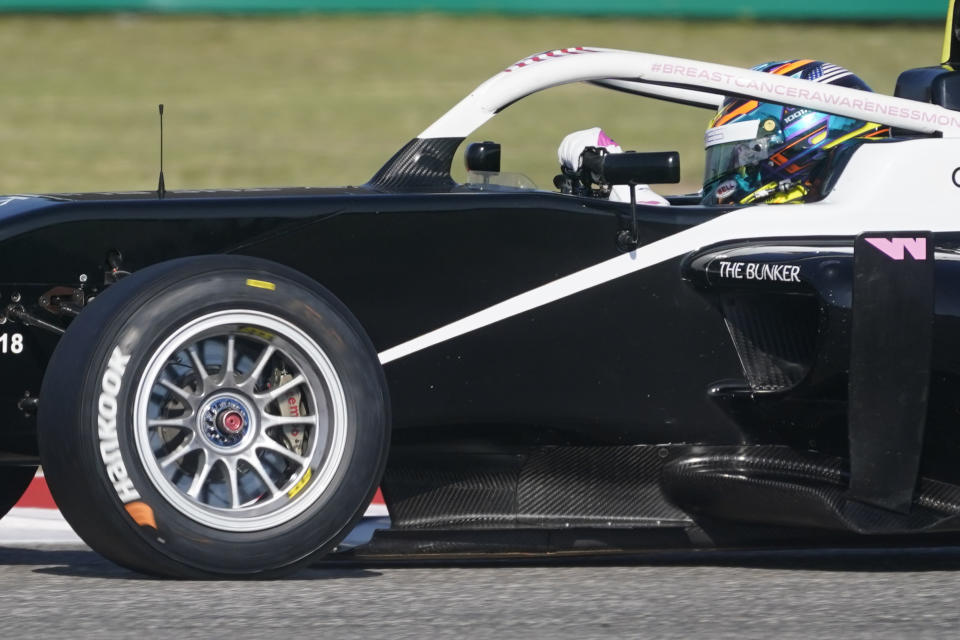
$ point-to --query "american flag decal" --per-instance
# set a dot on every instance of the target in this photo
(827, 72)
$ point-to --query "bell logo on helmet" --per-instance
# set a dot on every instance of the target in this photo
(107, 427)
(726, 190)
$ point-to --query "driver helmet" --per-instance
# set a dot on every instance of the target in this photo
(764, 152)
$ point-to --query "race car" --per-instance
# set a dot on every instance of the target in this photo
(216, 382)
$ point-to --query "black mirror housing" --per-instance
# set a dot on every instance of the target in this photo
(657, 167)
(483, 156)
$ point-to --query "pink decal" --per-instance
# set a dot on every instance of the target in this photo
(894, 247)
(603, 140)
(540, 57)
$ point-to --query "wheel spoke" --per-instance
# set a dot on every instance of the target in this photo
(270, 444)
(257, 467)
(201, 477)
(198, 365)
(251, 379)
(268, 420)
(231, 466)
(178, 453)
(182, 393)
(228, 376)
(263, 399)
(180, 422)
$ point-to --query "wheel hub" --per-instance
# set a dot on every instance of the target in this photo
(213, 440)
(230, 422)
(225, 420)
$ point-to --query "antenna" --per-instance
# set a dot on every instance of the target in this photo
(161, 189)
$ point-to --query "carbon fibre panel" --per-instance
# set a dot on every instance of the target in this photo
(779, 486)
(546, 487)
(649, 487)
(774, 337)
(422, 166)
(448, 491)
(571, 486)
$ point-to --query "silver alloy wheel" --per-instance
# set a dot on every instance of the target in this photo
(211, 434)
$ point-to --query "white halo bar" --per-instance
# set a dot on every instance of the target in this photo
(585, 64)
(674, 94)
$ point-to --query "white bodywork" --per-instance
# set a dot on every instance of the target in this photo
(886, 187)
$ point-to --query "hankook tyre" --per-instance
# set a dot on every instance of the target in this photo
(214, 416)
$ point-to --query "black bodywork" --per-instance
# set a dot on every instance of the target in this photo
(672, 398)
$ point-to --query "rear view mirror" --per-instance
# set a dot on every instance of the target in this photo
(483, 156)
(657, 167)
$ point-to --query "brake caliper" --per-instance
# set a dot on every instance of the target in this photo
(290, 407)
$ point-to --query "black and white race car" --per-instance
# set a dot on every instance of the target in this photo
(217, 382)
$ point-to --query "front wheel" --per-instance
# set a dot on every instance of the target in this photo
(230, 418)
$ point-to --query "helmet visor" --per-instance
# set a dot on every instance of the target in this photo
(732, 146)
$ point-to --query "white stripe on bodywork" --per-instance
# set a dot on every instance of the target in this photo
(587, 278)
(876, 192)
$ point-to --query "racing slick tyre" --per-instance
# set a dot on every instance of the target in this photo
(13, 483)
(214, 416)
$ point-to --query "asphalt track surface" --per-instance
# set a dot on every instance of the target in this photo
(70, 592)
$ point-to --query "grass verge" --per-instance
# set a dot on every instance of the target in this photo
(324, 100)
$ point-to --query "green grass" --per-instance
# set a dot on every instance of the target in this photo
(326, 100)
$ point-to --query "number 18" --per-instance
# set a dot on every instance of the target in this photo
(11, 343)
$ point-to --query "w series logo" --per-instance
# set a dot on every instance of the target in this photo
(897, 248)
